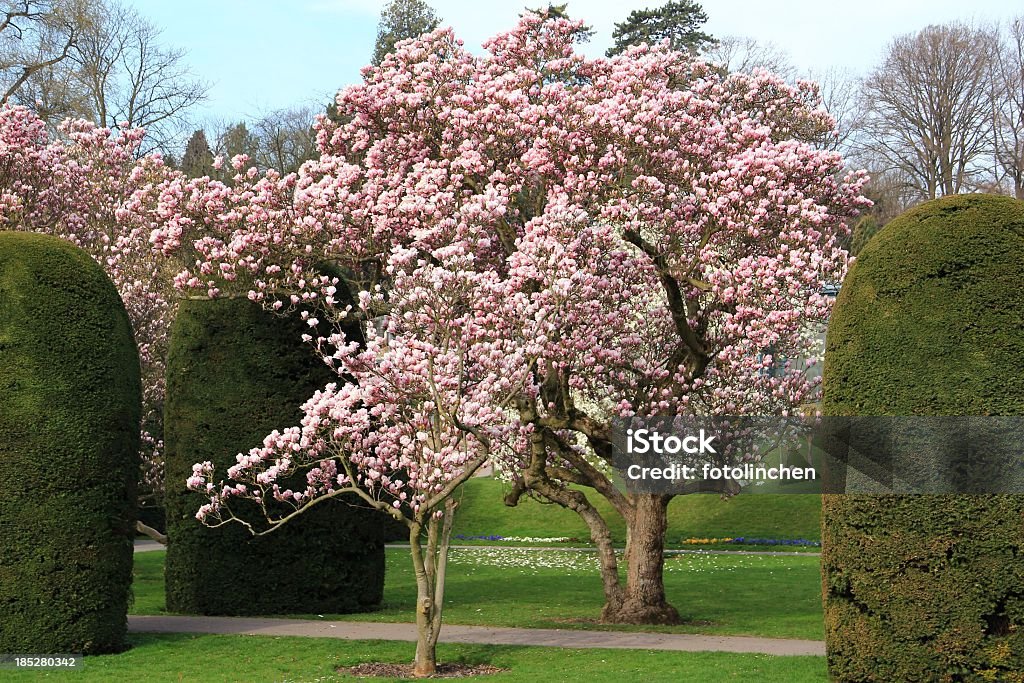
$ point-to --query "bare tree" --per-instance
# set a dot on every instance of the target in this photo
(285, 139)
(838, 89)
(54, 94)
(280, 140)
(1008, 106)
(928, 109)
(131, 78)
(744, 55)
(35, 35)
(95, 59)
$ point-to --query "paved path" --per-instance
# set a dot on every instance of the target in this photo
(148, 546)
(143, 546)
(453, 633)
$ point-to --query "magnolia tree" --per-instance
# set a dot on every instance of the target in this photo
(77, 188)
(420, 408)
(591, 238)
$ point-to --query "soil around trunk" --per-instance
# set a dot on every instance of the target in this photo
(404, 671)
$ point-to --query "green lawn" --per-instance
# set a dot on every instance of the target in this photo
(210, 659)
(772, 596)
(482, 513)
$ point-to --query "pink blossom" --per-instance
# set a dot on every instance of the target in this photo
(534, 242)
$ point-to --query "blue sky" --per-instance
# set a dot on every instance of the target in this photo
(261, 55)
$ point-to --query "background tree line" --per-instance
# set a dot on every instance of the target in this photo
(941, 113)
(98, 60)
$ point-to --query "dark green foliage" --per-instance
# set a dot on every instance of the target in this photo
(552, 11)
(230, 143)
(930, 321)
(923, 588)
(865, 229)
(335, 116)
(402, 20)
(679, 21)
(238, 140)
(235, 373)
(70, 405)
(197, 161)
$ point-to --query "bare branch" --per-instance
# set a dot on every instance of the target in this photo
(151, 532)
(928, 111)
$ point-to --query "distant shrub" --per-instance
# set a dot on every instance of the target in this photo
(865, 229)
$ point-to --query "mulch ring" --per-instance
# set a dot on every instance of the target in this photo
(384, 670)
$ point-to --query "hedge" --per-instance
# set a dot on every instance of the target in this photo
(70, 405)
(235, 373)
(929, 321)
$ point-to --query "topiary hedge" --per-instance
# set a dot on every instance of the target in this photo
(235, 373)
(930, 321)
(70, 405)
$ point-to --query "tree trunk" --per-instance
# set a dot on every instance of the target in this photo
(425, 663)
(644, 597)
(151, 532)
(535, 477)
(430, 566)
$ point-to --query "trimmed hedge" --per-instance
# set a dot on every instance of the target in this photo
(70, 405)
(930, 321)
(235, 373)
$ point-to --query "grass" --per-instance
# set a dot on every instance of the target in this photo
(770, 596)
(210, 659)
(482, 512)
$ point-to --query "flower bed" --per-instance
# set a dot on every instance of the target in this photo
(743, 540)
(776, 541)
(517, 539)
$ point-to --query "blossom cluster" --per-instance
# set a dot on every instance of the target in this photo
(529, 561)
(533, 242)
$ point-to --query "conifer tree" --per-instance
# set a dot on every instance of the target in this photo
(197, 160)
(679, 21)
(400, 20)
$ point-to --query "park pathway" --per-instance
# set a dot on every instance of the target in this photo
(486, 635)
